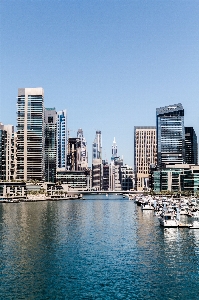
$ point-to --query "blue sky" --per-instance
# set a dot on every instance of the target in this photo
(109, 63)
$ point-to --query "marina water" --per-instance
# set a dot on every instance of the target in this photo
(98, 248)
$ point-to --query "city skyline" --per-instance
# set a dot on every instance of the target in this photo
(110, 64)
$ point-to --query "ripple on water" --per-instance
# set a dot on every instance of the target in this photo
(94, 249)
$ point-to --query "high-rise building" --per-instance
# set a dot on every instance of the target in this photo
(170, 135)
(82, 154)
(105, 180)
(145, 154)
(62, 139)
(97, 169)
(3, 144)
(30, 134)
(127, 178)
(115, 174)
(115, 169)
(73, 146)
(191, 146)
(114, 149)
(7, 153)
(50, 119)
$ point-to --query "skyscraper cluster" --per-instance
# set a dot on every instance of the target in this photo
(169, 147)
(165, 155)
(42, 150)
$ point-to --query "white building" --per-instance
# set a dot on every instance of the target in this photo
(30, 134)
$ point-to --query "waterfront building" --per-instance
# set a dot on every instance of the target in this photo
(127, 178)
(75, 180)
(62, 140)
(115, 174)
(97, 168)
(105, 180)
(82, 154)
(30, 134)
(73, 146)
(145, 154)
(191, 146)
(12, 190)
(3, 142)
(77, 157)
(176, 178)
(115, 169)
(170, 135)
(50, 119)
(7, 153)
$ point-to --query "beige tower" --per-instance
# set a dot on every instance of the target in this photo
(145, 154)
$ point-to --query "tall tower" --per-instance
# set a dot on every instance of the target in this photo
(115, 169)
(50, 118)
(170, 135)
(82, 154)
(97, 169)
(62, 139)
(97, 146)
(114, 149)
(30, 134)
(145, 154)
(191, 146)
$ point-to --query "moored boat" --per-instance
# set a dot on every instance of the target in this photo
(168, 219)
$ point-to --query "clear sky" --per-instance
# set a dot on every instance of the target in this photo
(109, 63)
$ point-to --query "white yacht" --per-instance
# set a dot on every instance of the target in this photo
(168, 219)
(147, 206)
(195, 225)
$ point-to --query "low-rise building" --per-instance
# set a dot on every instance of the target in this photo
(176, 178)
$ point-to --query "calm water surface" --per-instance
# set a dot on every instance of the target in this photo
(94, 249)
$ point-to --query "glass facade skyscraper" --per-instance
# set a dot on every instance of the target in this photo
(30, 134)
(191, 146)
(50, 118)
(170, 135)
(62, 139)
(97, 169)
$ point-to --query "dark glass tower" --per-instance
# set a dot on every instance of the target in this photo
(170, 135)
(191, 146)
(50, 118)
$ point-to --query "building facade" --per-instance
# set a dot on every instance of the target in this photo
(191, 146)
(127, 178)
(145, 154)
(179, 178)
(97, 169)
(62, 140)
(82, 154)
(7, 152)
(50, 132)
(75, 180)
(105, 180)
(30, 134)
(170, 135)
